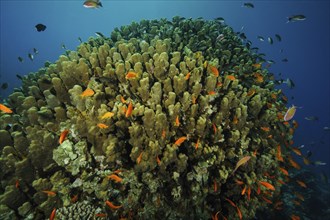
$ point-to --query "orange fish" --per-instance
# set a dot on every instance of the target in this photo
(235, 120)
(214, 71)
(296, 150)
(281, 181)
(115, 178)
(17, 184)
(239, 213)
(111, 205)
(212, 93)
(52, 215)
(122, 99)
(107, 115)
(259, 77)
(101, 215)
(74, 198)
(215, 186)
(243, 191)
(5, 109)
(257, 65)
(249, 193)
(102, 126)
(138, 160)
(49, 193)
(219, 84)
(231, 77)
(251, 92)
(239, 182)
(284, 171)
(197, 144)
(299, 196)
(255, 152)
(129, 110)
(267, 200)
(294, 164)
(258, 190)
(295, 217)
(273, 95)
(163, 134)
(279, 154)
(231, 202)
(87, 93)
(63, 136)
(187, 76)
(131, 75)
(214, 128)
(301, 183)
(177, 121)
(265, 129)
(180, 140)
(267, 185)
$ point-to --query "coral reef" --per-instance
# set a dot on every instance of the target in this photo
(153, 121)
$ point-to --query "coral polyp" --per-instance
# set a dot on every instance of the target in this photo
(163, 118)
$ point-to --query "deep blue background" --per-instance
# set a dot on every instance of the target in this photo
(305, 44)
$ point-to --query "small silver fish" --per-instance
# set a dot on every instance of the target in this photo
(294, 18)
(270, 40)
(312, 118)
(31, 57)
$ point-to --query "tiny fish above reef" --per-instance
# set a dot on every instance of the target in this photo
(40, 27)
(319, 163)
(99, 34)
(35, 51)
(92, 4)
(270, 40)
(294, 18)
(31, 57)
(278, 37)
(20, 59)
(290, 113)
(248, 5)
(312, 118)
(261, 38)
(4, 86)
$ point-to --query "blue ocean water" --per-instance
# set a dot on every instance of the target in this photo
(304, 43)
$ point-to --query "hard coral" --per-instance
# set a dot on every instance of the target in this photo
(181, 88)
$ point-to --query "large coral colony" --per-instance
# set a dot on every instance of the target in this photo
(164, 118)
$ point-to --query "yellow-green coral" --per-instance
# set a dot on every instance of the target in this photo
(175, 94)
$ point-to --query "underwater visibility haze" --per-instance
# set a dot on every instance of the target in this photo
(164, 109)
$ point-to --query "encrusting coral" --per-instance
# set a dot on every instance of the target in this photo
(152, 122)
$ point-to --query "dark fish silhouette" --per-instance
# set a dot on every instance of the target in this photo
(248, 5)
(20, 59)
(40, 27)
(4, 86)
(278, 37)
